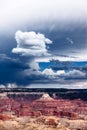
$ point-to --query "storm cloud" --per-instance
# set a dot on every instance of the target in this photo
(43, 42)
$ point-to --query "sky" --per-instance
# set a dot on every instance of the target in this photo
(43, 43)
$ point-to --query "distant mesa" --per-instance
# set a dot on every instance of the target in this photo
(46, 97)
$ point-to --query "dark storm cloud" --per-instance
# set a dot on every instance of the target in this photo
(62, 24)
(84, 68)
(7, 42)
(19, 72)
(22, 70)
(10, 70)
(60, 65)
(73, 70)
(68, 65)
(75, 75)
(63, 39)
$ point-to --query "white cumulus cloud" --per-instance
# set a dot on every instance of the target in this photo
(31, 43)
(61, 73)
(49, 71)
(75, 74)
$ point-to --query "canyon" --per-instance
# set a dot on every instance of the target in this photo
(42, 106)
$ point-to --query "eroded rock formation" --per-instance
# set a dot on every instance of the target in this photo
(44, 105)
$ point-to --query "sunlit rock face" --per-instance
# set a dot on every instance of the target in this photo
(46, 96)
(6, 116)
(41, 104)
(27, 123)
(41, 110)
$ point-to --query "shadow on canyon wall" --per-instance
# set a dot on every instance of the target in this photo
(53, 92)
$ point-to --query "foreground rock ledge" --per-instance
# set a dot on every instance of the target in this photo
(27, 123)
